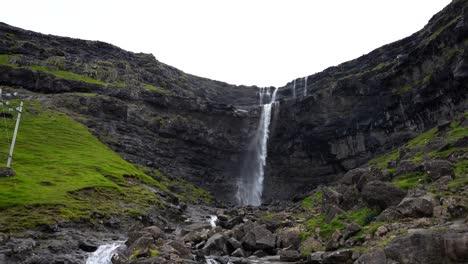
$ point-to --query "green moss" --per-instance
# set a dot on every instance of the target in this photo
(381, 162)
(312, 201)
(363, 216)
(326, 229)
(418, 157)
(443, 28)
(4, 60)
(154, 253)
(409, 180)
(423, 139)
(63, 171)
(404, 89)
(428, 77)
(268, 217)
(156, 89)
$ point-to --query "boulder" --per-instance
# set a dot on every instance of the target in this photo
(438, 168)
(310, 243)
(351, 230)
(338, 257)
(381, 195)
(415, 207)
(155, 231)
(406, 166)
(239, 253)
(216, 245)
(389, 214)
(259, 238)
(315, 257)
(376, 256)
(334, 242)
(289, 238)
(290, 255)
(87, 246)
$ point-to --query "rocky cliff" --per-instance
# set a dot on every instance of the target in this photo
(370, 105)
(198, 129)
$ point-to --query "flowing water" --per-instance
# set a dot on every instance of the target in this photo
(103, 254)
(294, 89)
(250, 184)
(212, 220)
(305, 86)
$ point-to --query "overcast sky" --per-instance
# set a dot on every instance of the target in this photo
(251, 42)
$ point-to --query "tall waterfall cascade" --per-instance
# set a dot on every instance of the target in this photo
(294, 89)
(305, 86)
(250, 184)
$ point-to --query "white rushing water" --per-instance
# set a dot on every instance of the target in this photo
(103, 254)
(250, 184)
(305, 86)
(212, 220)
(294, 89)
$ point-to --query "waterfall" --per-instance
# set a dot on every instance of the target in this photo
(250, 184)
(294, 89)
(103, 254)
(305, 86)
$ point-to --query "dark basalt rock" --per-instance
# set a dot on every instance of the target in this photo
(382, 195)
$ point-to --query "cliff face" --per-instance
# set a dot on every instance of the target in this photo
(369, 105)
(198, 129)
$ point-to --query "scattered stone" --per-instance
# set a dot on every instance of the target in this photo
(260, 254)
(351, 230)
(344, 256)
(456, 210)
(381, 231)
(382, 195)
(376, 256)
(290, 255)
(438, 168)
(216, 245)
(315, 257)
(289, 238)
(310, 243)
(415, 207)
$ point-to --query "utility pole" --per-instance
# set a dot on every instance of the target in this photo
(12, 147)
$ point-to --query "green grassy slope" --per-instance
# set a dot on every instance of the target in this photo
(64, 173)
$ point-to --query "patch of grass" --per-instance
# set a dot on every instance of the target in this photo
(381, 162)
(418, 157)
(312, 201)
(409, 180)
(269, 216)
(404, 89)
(326, 230)
(154, 253)
(423, 139)
(4, 60)
(156, 89)
(443, 28)
(63, 171)
(363, 216)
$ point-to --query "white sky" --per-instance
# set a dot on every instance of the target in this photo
(251, 42)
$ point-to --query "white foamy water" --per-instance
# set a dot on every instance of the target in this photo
(103, 254)
(212, 220)
(305, 86)
(250, 184)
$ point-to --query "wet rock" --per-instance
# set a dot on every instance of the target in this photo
(415, 207)
(87, 246)
(260, 254)
(381, 195)
(438, 168)
(239, 253)
(289, 255)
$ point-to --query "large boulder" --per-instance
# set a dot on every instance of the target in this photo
(217, 245)
(407, 166)
(415, 207)
(290, 255)
(259, 238)
(376, 256)
(338, 257)
(381, 195)
(289, 238)
(438, 168)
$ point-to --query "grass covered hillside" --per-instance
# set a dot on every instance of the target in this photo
(64, 173)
